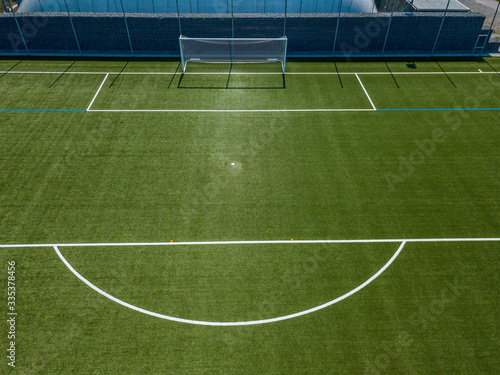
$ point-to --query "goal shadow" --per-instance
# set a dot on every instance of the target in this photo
(231, 81)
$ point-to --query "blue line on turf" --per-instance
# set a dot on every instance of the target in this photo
(42, 110)
(438, 109)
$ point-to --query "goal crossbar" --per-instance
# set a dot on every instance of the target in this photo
(233, 50)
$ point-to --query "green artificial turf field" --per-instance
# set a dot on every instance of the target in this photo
(343, 218)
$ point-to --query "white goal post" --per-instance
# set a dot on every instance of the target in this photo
(237, 50)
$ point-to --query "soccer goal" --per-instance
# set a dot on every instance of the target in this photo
(237, 50)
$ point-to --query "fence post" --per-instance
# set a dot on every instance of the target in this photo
(232, 18)
(73, 27)
(19, 27)
(126, 26)
(178, 16)
(337, 28)
(491, 26)
(440, 27)
(389, 26)
(284, 21)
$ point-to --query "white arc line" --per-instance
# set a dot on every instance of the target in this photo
(366, 92)
(97, 93)
(242, 323)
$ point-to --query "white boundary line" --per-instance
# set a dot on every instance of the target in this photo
(240, 323)
(366, 92)
(245, 73)
(97, 93)
(236, 110)
(201, 243)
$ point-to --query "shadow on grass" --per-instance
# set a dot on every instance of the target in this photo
(338, 75)
(118, 75)
(58, 78)
(173, 75)
(447, 76)
(182, 85)
(491, 66)
(392, 75)
(12, 67)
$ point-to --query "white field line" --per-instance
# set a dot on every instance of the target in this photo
(322, 73)
(97, 93)
(240, 323)
(235, 110)
(245, 73)
(201, 243)
(366, 92)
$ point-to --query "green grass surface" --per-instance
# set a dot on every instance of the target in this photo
(43, 91)
(88, 177)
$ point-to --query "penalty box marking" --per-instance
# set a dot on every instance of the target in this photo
(97, 93)
(242, 73)
(366, 92)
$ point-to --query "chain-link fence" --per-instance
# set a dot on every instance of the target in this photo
(313, 27)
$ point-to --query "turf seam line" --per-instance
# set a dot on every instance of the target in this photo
(97, 93)
(238, 323)
(366, 92)
(256, 242)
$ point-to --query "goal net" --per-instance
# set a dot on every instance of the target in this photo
(237, 50)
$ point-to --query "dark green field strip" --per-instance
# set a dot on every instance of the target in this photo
(409, 66)
(229, 283)
(230, 92)
(141, 177)
(432, 91)
(434, 310)
(84, 65)
(138, 65)
(47, 91)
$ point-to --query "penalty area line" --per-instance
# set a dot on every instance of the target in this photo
(366, 92)
(295, 241)
(97, 93)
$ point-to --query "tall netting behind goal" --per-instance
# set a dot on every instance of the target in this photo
(233, 50)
